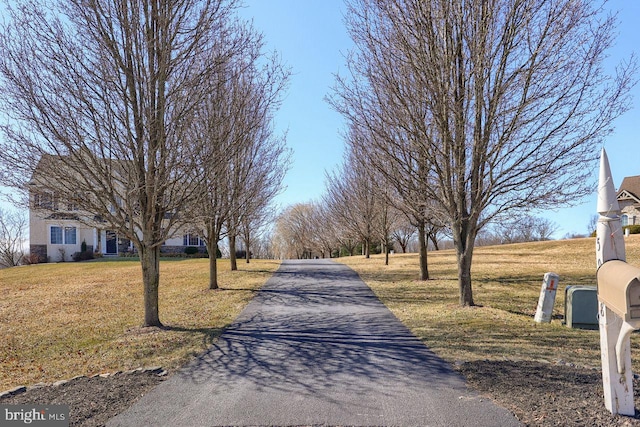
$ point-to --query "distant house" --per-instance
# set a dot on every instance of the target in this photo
(57, 230)
(629, 200)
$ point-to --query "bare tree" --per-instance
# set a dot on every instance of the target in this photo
(242, 162)
(387, 214)
(261, 171)
(433, 230)
(345, 238)
(387, 218)
(252, 226)
(506, 101)
(544, 228)
(262, 183)
(13, 229)
(261, 245)
(324, 238)
(404, 169)
(523, 228)
(403, 233)
(293, 233)
(216, 128)
(351, 197)
(261, 159)
(101, 97)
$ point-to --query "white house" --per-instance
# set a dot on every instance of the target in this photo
(629, 200)
(56, 233)
(58, 230)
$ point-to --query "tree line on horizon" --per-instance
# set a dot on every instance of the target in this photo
(325, 230)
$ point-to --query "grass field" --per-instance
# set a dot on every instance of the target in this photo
(62, 320)
(506, 284)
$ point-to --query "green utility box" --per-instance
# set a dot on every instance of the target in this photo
(581, 307)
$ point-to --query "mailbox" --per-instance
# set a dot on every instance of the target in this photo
(619, 289)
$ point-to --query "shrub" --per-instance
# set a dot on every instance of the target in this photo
(83, 256)
(633, 229)
(190, 250)
(31, 259)
(128, 254)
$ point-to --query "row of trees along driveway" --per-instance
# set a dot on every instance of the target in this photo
(150, 115)
(471, 108)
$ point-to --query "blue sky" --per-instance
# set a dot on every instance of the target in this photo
(311, 37)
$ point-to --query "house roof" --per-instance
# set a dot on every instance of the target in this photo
(630, 189)
(40, 174)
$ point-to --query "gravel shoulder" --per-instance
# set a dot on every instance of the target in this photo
(539, 394)
(544, 394)
(92, 401)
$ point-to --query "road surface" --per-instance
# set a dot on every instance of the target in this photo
(315, 347)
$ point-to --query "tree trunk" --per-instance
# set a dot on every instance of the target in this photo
(232, 252)
(386, 254)
(150, 261)
(464, 277)
(434, 239)
(464, 239)
(246, 240)
(422, 242)
(213, 265)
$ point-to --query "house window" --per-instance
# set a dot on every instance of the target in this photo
(73, 204)
(63, 235)
(192, 240)
(113, 208)
(625, 220)
(70, 235)
(45, 201)
(56, 235)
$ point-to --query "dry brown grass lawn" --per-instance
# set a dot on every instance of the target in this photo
(506, 284)
(62, 320)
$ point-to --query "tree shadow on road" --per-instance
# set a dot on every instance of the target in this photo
(315, 333)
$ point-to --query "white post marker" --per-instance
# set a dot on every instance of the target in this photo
(617, 380)
(547, 298)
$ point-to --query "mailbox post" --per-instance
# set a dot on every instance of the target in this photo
(547, 298)
(618, 295)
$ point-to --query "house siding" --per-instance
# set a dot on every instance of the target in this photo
(632, 213)
(47, 210)
(39, 253)
(40, 239)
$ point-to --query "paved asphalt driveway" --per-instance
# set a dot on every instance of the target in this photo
(315, 347)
